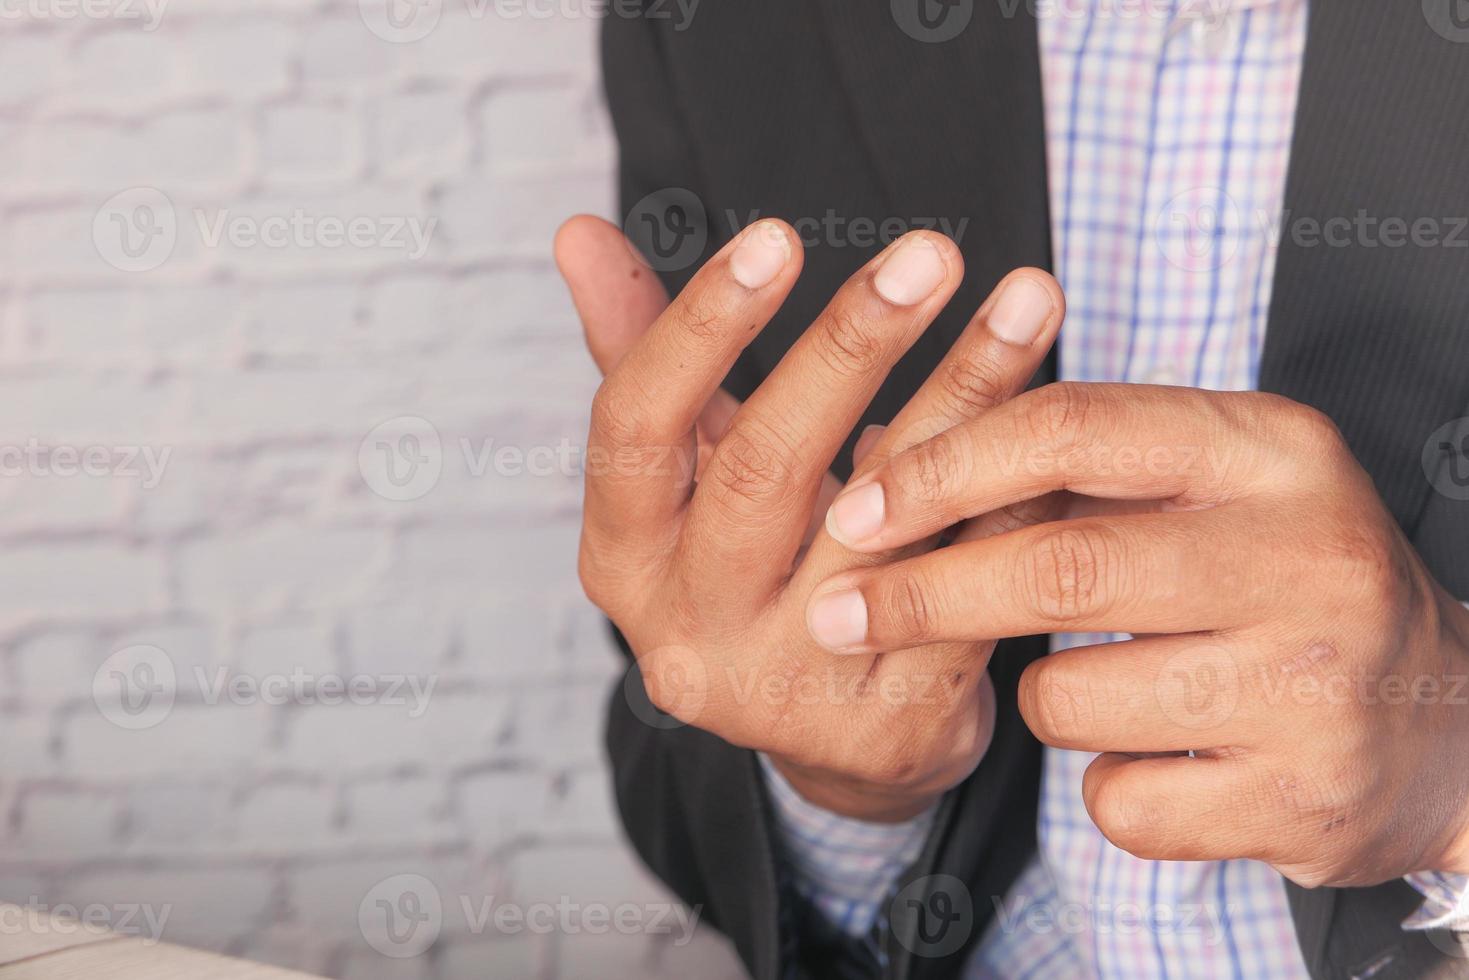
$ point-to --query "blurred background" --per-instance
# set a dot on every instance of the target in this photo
(293, 660)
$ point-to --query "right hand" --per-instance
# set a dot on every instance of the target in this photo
(708, 579)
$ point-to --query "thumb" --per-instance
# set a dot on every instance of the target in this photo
(616, 295)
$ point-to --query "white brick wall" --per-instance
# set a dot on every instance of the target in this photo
(252, 369)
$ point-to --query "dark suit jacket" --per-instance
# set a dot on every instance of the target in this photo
(798, 108)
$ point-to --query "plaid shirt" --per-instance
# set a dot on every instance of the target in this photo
(1168, 129)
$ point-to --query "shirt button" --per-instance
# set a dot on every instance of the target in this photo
(1214, 31)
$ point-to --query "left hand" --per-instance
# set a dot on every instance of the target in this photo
(1286, 631)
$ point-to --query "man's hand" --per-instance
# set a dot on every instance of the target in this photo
(619, 299)
(1287, 633)
(708, 580)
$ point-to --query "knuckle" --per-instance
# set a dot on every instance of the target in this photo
(1055, 710)
(1068, 572)
(616, 418)
(1251, 411)
(748, 469)
(593, 582)
(1060, 411)
(1313, 426)
(971, 386)
(1368, 562)
(1308, 876)
(703, 313)
(1131, 820)
(1013, 517)
(1304, 433)
(1322, 807)
(1383, 583)
(847, 342)
(908, 606)
(897, 763)
(928, 470)
(976, 728)
(597, 577)
(663, 687)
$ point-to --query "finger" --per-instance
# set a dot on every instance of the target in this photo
(711, 425)
(1159, 694)
(864, 445)
(1187, 809)
(1116, 441)
(616, 296)
(618, 300)
(830, 487)
(752, 507)
(1154, 573)
(643, 416)
(992, 361)
(1013, 517)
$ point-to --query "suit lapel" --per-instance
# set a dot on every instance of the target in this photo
(1374, 335)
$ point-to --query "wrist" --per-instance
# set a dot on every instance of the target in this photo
(854, 798)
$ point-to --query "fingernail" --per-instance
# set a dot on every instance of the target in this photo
(839, 620)
(857, 514)
(761, 254)
(1021, 312)
(911, 273)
